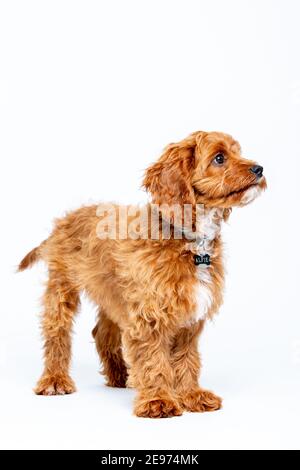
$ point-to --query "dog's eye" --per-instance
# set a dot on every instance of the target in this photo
(219, 159)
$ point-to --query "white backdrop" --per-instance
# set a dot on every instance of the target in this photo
(90, 92)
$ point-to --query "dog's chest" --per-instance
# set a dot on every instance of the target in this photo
(204, 292)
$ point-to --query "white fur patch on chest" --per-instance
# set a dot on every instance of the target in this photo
(210, 226)
(204, 296)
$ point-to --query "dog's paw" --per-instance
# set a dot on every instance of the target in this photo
(55, 385)
(116, 383)
(157, 408)
(201, 401)
(117, 378)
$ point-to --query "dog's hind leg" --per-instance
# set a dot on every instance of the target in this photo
(61, 301)
(107, 337)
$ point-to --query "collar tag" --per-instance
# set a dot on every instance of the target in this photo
(202, 259)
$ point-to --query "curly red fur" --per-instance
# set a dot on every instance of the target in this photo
(146, 334)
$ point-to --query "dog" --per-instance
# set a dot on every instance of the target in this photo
(153, 295)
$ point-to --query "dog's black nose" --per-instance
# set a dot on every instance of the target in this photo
(257, 170)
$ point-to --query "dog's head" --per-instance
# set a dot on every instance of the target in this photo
(205, 168)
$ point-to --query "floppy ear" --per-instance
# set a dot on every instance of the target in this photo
(169, 179)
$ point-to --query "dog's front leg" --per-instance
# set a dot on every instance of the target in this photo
(186, 365)
(147, 353)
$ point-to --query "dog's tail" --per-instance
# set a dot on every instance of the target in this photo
(32, 257)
